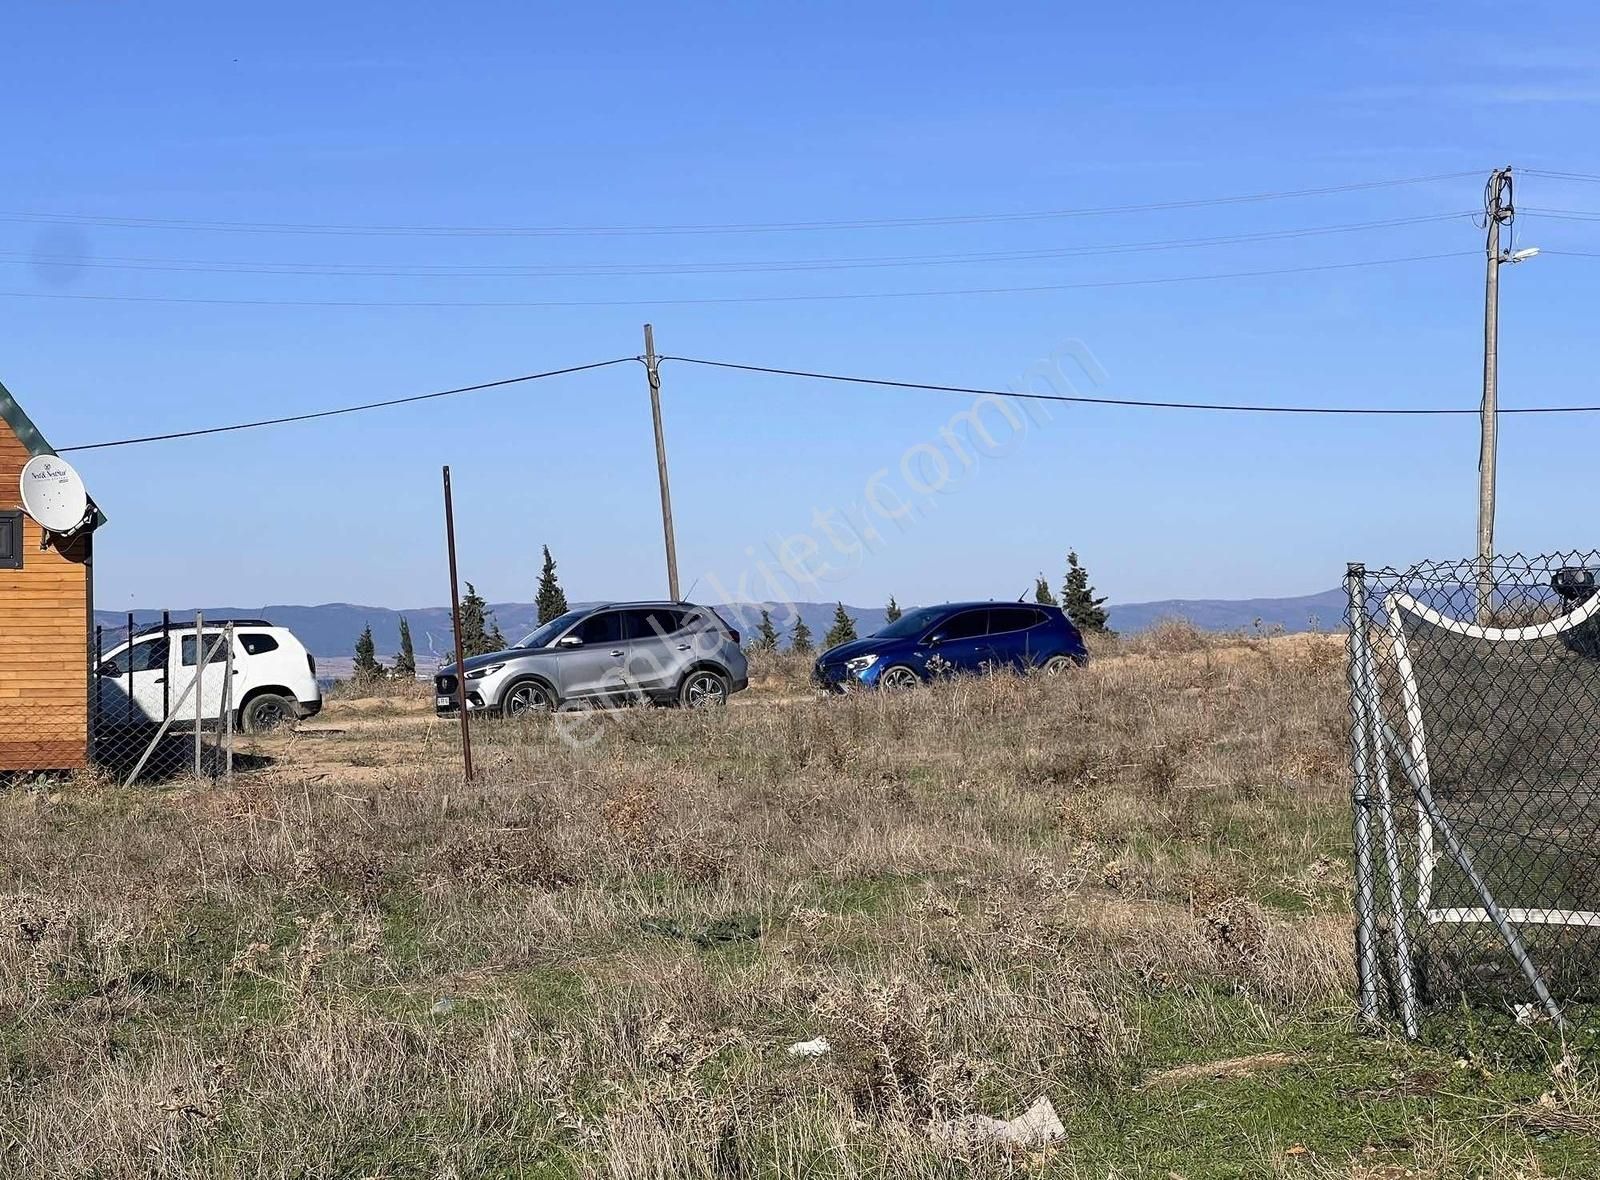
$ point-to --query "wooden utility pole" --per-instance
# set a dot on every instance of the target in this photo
(455, 618)
(652, 368)
(1497, 211)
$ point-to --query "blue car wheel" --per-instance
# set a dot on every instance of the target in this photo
(897, 677)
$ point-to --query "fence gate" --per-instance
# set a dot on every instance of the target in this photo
(1475, 760)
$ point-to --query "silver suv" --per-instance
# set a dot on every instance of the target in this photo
(621, 652)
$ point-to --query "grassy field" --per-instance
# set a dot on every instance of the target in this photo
(1126, 890)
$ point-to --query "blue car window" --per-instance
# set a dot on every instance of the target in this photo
(968, 624)
(1005, 619)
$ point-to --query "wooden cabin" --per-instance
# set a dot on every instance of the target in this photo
(46, 619)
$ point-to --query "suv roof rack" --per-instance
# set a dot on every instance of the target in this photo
(188, 625)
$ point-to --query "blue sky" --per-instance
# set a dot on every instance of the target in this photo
(626, 115)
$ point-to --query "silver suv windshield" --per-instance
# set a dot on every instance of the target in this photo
(545, 635)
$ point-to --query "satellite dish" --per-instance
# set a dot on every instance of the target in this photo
(53, 495)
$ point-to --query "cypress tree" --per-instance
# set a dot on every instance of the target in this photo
(843, 629)
(766, 634)
(493, 637)
(405, 664)
(1041, 592)
(552, 598)
(1078, 598)
(892, 612)
(367, 667)
(800, 639)
(474, 616)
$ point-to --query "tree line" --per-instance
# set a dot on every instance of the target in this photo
(480, 632)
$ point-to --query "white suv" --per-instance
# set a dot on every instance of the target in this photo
(144, 681)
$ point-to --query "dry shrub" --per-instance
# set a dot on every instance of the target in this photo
(518, 856)
(35, 933)
(384, 688)
(632, 813)
(881, 1038)
(1238, 928)
(1159, 770)
(342, 866)
(1171, 637)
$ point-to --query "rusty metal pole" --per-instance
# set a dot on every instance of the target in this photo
(455, 619)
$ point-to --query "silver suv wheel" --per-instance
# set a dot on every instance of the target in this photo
(704, 689)
(527, 697)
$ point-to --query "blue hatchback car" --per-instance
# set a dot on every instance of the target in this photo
(956, 637)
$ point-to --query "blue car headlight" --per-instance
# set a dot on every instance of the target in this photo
(860, 664)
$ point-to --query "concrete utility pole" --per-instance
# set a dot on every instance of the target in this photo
(652, 367)
(1497, 210)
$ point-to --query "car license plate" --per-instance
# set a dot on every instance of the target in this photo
(444, 702)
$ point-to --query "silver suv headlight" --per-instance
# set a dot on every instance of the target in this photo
(861, 663)
(480, 673)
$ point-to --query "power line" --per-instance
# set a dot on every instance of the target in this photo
(1397, 411)
(356, 230)
(360, 270)
(1561, 214)
(1582, 177)
(1141, 403)
(398, 401)
(733, 299)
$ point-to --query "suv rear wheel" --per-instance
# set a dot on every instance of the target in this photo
(267, 712)
(703, 689)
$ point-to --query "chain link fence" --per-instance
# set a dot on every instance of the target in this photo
(161, 702)
(1475, 756)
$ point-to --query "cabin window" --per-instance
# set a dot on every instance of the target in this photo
(10, 540)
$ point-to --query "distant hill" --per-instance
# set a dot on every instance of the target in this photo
(330, 630)
(1309, 612)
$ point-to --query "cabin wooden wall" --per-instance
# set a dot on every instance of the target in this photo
(44, 639)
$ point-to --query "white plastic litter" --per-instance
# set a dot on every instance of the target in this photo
(814, 1048)
(1036, 1128)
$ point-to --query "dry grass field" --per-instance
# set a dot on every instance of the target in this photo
(1125, 890)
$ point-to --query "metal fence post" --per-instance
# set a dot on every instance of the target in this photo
(166, 681)
(199, 694)
(1404, 966)
(95, 695)
(128, 709)
(1360, 799)
(227, 703)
